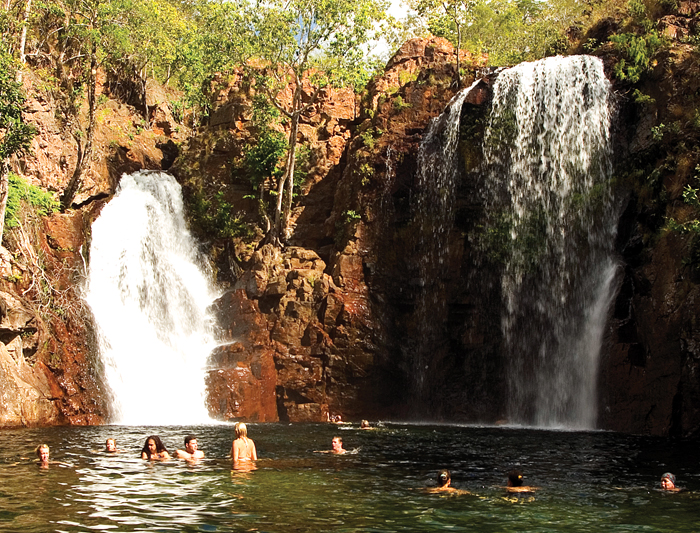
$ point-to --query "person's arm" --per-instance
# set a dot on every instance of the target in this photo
(255, 453)
(164, 454)
(234, 452)
(144, 455)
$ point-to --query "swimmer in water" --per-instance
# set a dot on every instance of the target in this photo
(444, 481)
(243, 448)
(337, 446)
(42, 452)
(515, 482)
(111, 446)
(365, 425)
(191, 451)
(154, 449)
(668, 482)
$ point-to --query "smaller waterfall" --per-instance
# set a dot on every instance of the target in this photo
(438, 168)
(547, 152)
(149, 291)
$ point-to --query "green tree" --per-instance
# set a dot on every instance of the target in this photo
(449, 19)
(306, 45)
(15, 134)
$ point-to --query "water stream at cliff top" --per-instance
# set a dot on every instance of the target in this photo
(149, 290)
(547, 151)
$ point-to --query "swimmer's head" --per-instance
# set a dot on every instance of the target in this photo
(364, 424)
(668, 481)
(241, 430)
(191, 444)
(443, 478)
(515, 478)
(42, 452)
(110, 445)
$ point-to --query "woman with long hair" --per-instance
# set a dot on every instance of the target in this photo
(154, 449)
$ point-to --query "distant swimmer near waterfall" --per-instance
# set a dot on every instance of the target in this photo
(154, 449)
(444, 481)
(515, 482)
(191, 451)
(243, 448)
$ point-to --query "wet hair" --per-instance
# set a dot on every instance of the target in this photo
(41, 447)
(110, 439)
(515, 478)
(160, 447)
(188, 438)
(443, 478)
(340, 439)
(241, 430)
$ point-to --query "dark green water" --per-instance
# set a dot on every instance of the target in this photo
(589, 481)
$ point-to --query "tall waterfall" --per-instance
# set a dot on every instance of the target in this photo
(438, 164)
(547, 151)
(149, 292)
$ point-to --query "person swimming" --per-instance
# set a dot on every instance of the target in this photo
(154, 449)
(668, 482)
(337, 446)
(365, 425)
(191, 451)
(111, 446)
(444, 482)
(42, 453)
(515, 482)
(243, 448)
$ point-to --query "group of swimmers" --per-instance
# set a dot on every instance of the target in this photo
(243, 451)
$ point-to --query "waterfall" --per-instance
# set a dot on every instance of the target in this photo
(551, 215)
(149, 291)
(437, 171)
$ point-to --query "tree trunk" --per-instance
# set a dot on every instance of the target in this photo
(84, 157)
(4, 190)
(459, 45)
(23, 39)
(291, 161)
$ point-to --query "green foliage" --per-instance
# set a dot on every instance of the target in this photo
(21, 193)
(303, 164)
(264, 159)
(215, 216)
(400, 105)
(15, 134)
(509, 31)
(691, 226)
(638, 52)
(642, 99)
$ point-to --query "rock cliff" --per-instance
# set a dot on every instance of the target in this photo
(328, 324)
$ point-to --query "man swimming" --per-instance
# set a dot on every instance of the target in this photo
(444, 481)
(337, 445)
(515, 482)
(191, 451)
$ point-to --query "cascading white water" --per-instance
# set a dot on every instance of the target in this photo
(547, 150)
(434, 214)
(149, 291)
